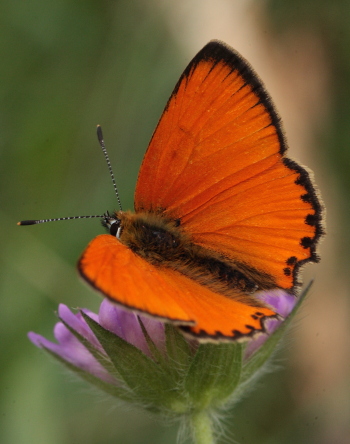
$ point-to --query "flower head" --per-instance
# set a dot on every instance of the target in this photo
(144, 361)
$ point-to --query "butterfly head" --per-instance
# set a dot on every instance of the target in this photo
(112, 223)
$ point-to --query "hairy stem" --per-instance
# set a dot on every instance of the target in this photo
(202, 428)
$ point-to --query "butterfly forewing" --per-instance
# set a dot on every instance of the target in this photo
(216, 162)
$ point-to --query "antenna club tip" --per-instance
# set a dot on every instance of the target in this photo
(27, 222)
(99, 134)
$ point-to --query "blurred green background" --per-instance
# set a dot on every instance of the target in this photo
(69, 65)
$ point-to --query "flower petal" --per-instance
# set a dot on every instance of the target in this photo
(77, 323)
(156, 331)
(70, 349)
(282, 303)
(123, 323)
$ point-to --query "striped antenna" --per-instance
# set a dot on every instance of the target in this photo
(42, 221)
(102, 143)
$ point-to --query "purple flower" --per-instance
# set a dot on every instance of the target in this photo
(123, 323)
(126, 325)
(282, 303)
(147, 363)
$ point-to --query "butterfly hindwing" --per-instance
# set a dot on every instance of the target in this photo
(129, 280)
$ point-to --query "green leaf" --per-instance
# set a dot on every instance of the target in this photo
(214, 373)
(260, 357)
(114, 390)
(156, 353)
(178, 349)
(152, 385)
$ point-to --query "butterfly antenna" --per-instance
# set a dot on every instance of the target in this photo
(42, 221)
(102, 143)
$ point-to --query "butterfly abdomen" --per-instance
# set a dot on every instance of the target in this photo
(163, 243)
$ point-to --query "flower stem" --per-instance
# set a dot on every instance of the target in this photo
(201, 426)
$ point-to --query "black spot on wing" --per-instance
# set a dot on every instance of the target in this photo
(306, 242)
(312, 220)
(292, 260)
(287, 271)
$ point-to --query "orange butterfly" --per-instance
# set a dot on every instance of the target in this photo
(220, 211)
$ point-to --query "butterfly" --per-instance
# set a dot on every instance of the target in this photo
(220, 211)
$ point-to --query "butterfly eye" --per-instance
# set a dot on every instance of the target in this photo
(113, 224)
(115, 228)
